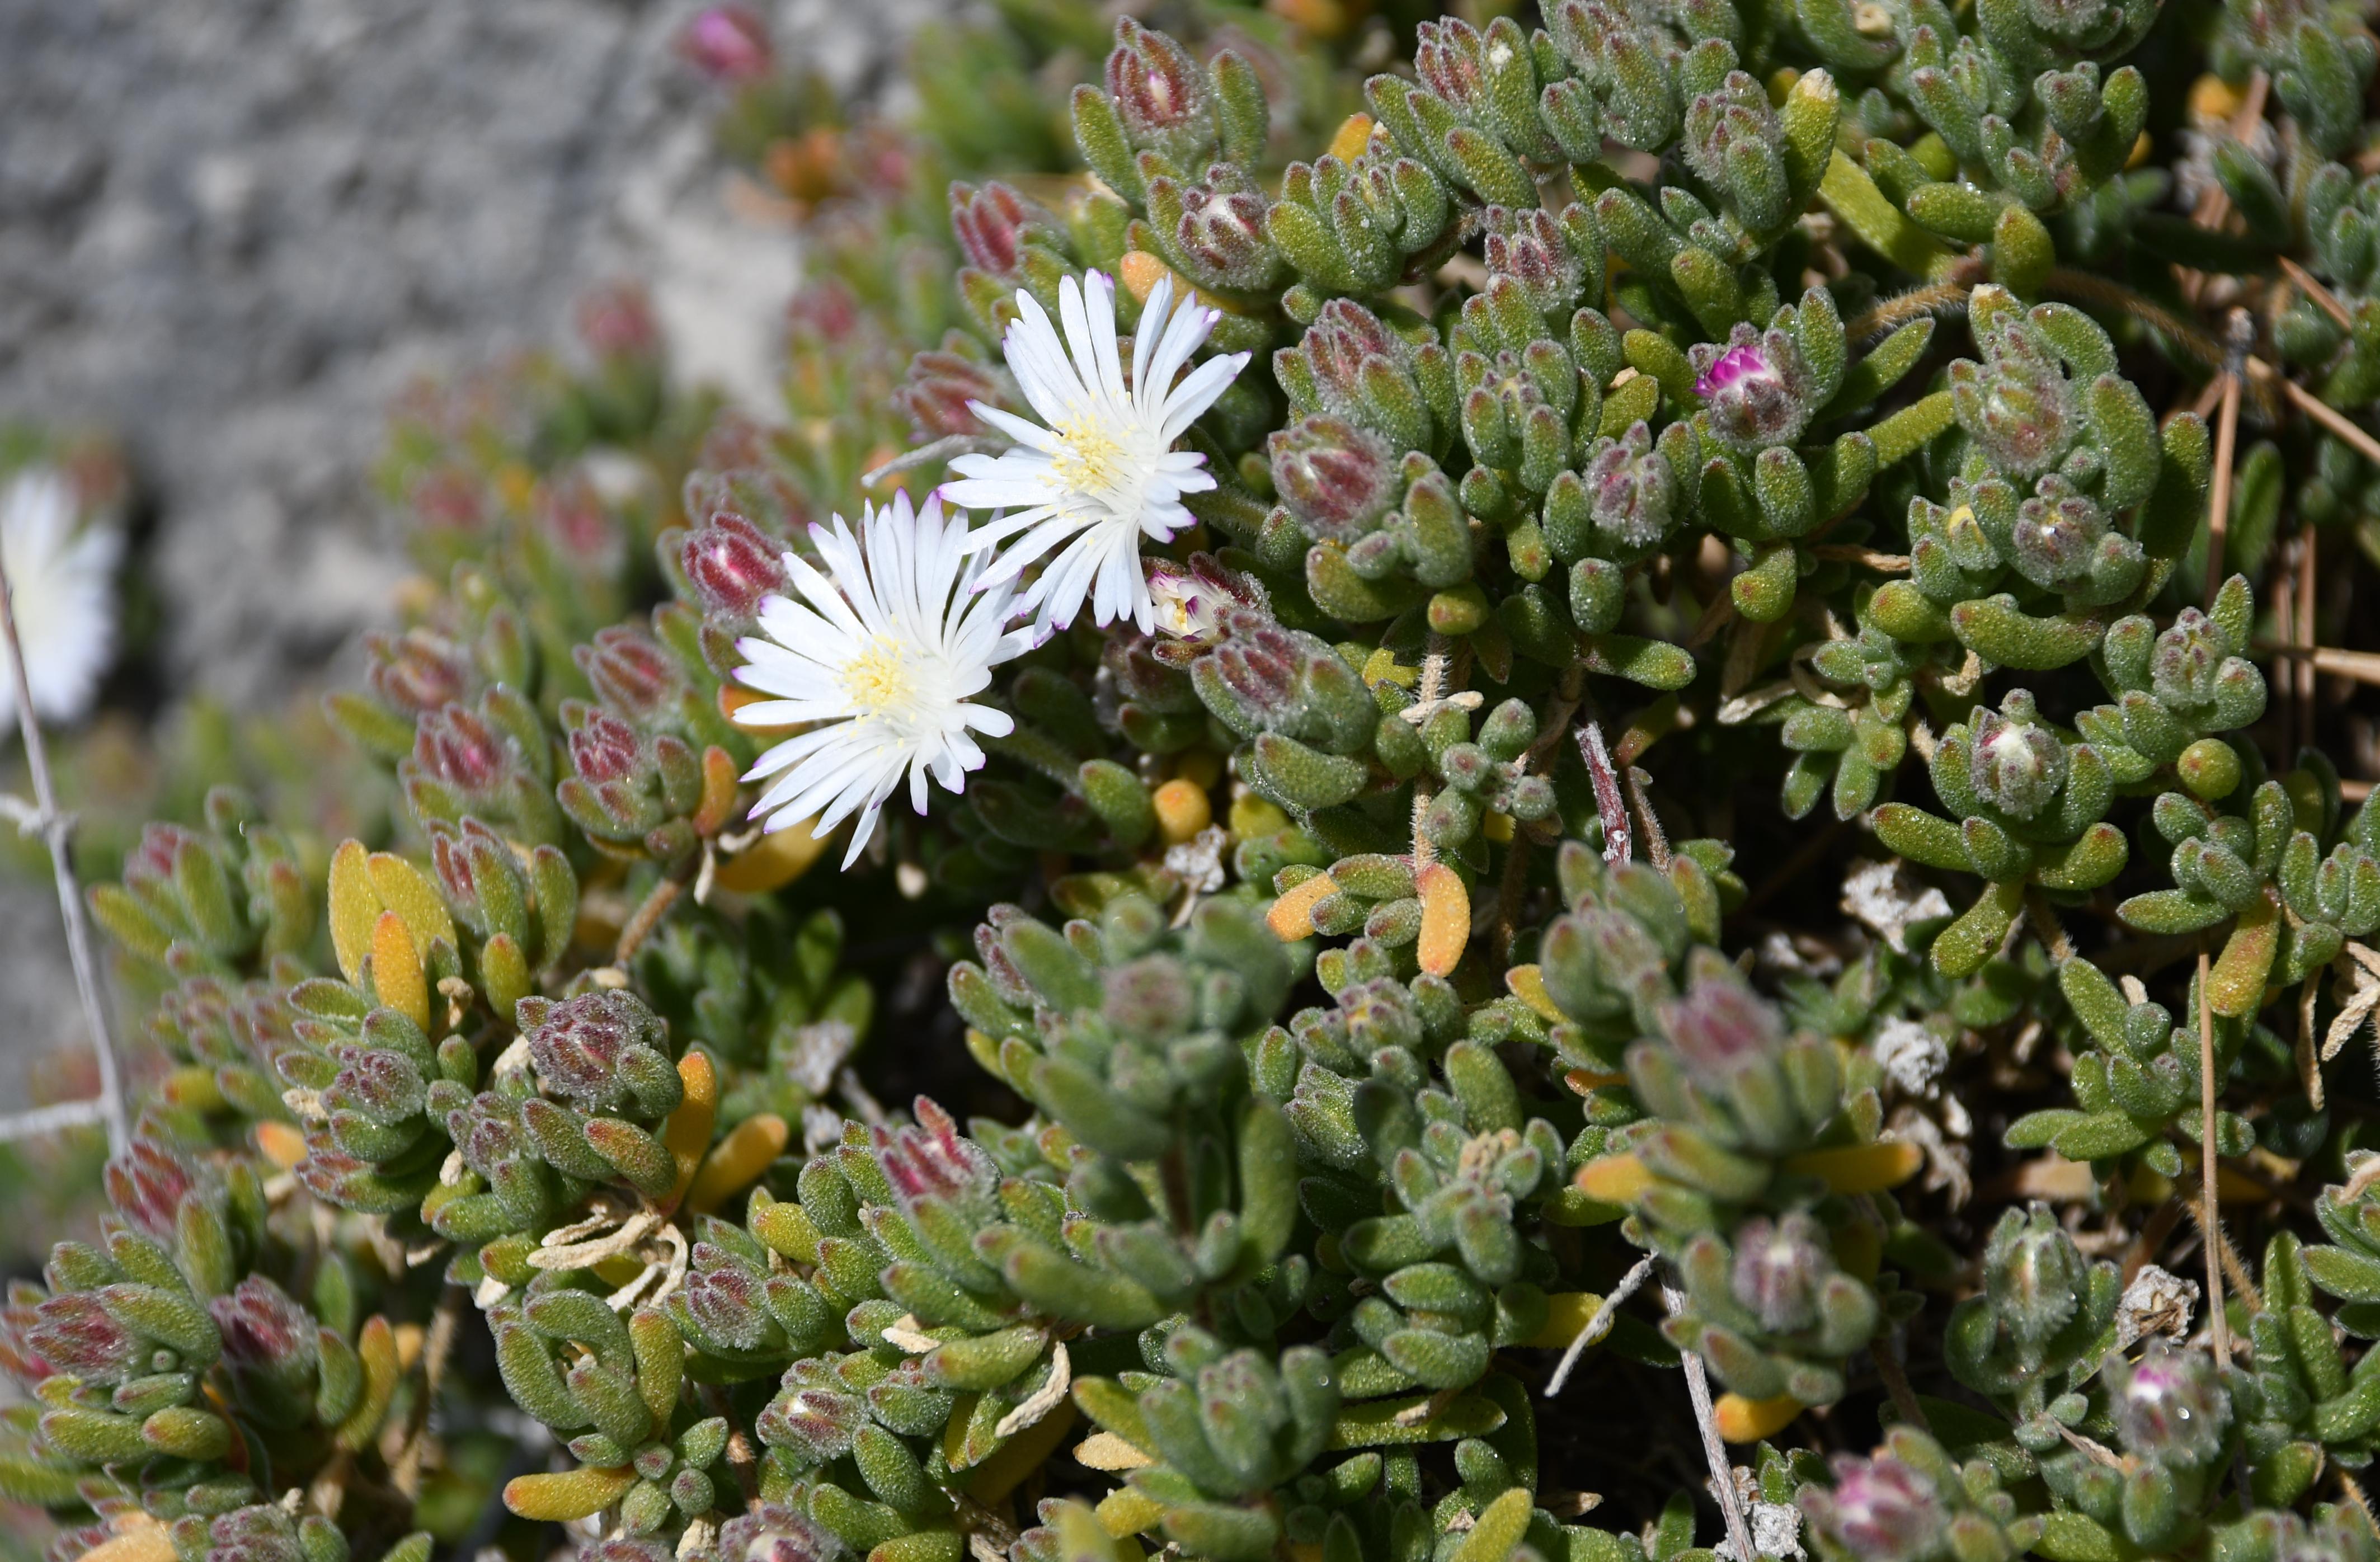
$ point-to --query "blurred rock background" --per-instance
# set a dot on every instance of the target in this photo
(231, 231)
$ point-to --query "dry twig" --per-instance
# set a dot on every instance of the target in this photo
(58, 829)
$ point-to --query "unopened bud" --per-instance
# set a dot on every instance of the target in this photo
(2167, 1407)
(1631, 490)
(1720, 1026)
(733, 566)
(2018, 765)
(416, 671)
(1879, 1510)
(1336, 476)
(1160, 93)
(992, 225)
(630, 671)
(1780, 1270)
(2034, 1274)
(1755, 389)
(728, 43)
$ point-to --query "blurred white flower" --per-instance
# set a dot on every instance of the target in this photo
(1103, 473)
(62, 580)
(881, 651)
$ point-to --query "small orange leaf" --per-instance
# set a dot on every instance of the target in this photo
(1445, 919)
(1748, 1421)
(557, 1499)
(1614, 1178)
(1861, 1169)
(402, 890)
(1141, 271)
(1182, 810)
(686, 1134)
(1528, 983)
(1291, 917)
(281, 1145)
(1567, 1312)
(143, 1540)
(774, 861)
(353, 906)
(736, 1161)
(718, 790)
(396, 969)
(1347, 142)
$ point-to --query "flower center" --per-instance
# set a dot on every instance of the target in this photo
(1092, 461)
(880, 680)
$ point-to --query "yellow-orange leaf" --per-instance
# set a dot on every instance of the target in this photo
(1445, 919)
(1528, 983)
(1128, 1512)
(1105, 1450)
(1291, 917)
(736, 1161)
(143, 1540)
(686, 1134)
(1567, 1312)
(1861, 1169)
(396, 969)
(1347, 143)
(1140, 272)
(354, 906)
(1748, 1421)
(402, 890)
(1182, 810)
(376, 1346)
(281, 1145)
(1614, 1178)
(718, 790)
(774, 861)
(557, 1499)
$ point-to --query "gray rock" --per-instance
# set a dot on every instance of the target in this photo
(231, 230)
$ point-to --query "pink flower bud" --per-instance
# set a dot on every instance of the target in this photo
(933, 1160)
(1880, 1509)
(615, 319)
(775, 1532)
(1754, 390)
(2168, 1405)
(630, 671)
(416, 671)
(728, 43)
(262, 1329)
(580, 1044)
(74, 1333)
(1447, 59)
(1159, 92)
(992, 225)
(1780, 1269)
(733, 566)
(604, 749)
(2018, 766)
(939, 391)
(1224, 231)
(1337, 477)
(459, 747)
(1720, 1026)
(147, 1184)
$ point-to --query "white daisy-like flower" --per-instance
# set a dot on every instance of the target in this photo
(1103, 473)
(881, 652)
(63, 590)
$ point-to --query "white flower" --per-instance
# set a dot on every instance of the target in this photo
(882, 653)
(64, 594)
(1104, 473)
